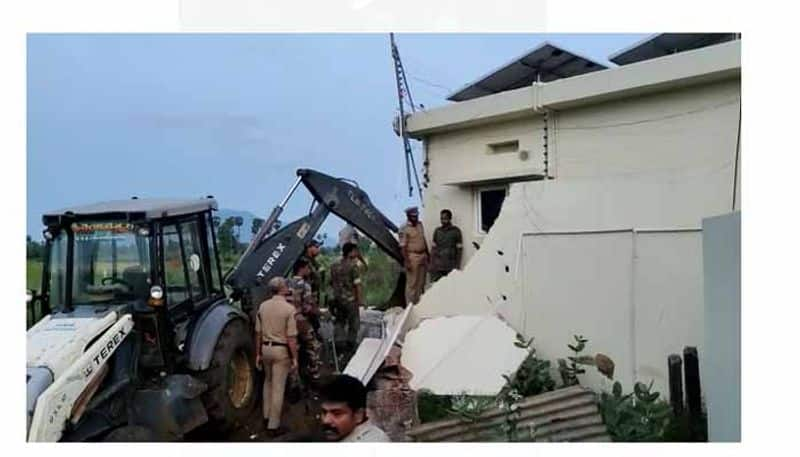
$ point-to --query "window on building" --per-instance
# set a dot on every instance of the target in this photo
(504, 147)
(489, 201)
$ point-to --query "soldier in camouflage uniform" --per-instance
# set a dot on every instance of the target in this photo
(348, 295)
(314, 279)
(447, 248)
(310, 347)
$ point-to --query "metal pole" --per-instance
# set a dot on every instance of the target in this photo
(400, 75)
(266, 227)
(416, 176)
(694, 404)
(675, 364)
(291, 191)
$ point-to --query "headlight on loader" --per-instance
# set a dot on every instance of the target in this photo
(156, 296)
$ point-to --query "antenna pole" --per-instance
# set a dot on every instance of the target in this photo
(403, 93)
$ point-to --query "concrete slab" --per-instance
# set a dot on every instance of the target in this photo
(461, 355)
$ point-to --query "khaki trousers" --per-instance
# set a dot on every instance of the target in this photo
(277, 363)
(415, 276)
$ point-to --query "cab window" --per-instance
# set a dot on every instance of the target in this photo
(175, 275)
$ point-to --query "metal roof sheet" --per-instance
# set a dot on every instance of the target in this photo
(545, 63)
(663, 44)
(567, 414)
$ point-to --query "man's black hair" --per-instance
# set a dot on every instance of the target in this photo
(299, 265)
(448, 212)
(345, 389)
(347, 248)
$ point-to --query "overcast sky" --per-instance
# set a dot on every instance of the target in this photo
(112, 116)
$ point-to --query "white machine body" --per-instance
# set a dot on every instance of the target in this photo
(58, 347)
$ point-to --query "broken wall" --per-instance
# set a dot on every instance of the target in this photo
(638, 316)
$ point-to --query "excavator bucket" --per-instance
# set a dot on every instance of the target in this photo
(354, 206)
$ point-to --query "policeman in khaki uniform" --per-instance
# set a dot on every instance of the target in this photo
(348, 294)
(447, 247)
(309, 345)
(276, 336)
(411, 237)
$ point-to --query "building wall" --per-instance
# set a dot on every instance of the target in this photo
(722, 246)
(692, 128)
(597, 257)
(465, 155)
(651, 285)
(689, 128)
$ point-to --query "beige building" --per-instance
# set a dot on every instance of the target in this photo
(652, 114)
(587, 189)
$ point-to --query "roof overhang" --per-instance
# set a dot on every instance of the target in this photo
(699, 66)
(495, 178)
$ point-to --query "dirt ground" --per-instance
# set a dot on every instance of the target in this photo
(300, 418)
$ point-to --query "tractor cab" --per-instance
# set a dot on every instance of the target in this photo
(155, 259)
(135, 311)
(138, 253)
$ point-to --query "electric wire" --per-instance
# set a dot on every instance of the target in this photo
(430, 83)
(649, 120)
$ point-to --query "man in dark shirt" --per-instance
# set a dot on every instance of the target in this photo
(348, 297)
(447, 247)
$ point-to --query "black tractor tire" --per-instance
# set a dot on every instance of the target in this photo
(131, 434)
(231, 377)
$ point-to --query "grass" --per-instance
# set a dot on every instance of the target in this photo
(34, 274)
(379, 279)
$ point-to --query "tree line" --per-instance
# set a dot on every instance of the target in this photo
(34, 249)
(229, 234)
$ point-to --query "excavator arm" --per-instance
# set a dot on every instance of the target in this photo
(273, 252)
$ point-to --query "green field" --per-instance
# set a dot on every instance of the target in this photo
(34, 271)
(379, 279)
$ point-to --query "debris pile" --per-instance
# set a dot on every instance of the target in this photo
(391, 403)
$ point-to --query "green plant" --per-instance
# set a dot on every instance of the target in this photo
(508, 402)
(470, 407)
(637, 416)
(569, 372)
(533, 376)
(431, 407)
